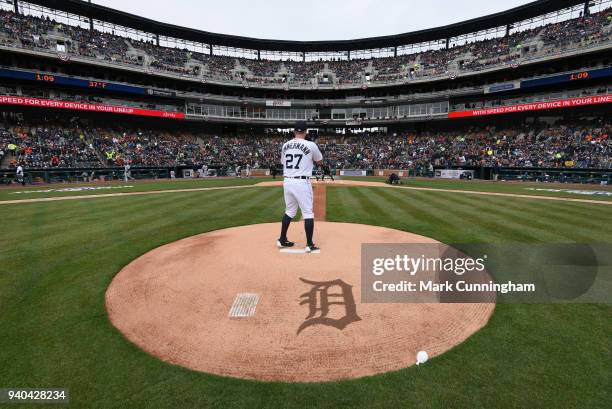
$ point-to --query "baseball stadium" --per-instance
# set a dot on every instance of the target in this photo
(191, 219)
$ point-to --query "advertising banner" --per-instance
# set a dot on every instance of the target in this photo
(278, 103)
(353, 172)
(489, 89)
(453, 173)
(84, 106)
(536, 106)
(160, 92)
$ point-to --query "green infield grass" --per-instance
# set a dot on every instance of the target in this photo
(57, 259)
(519, 188)
(18, 192)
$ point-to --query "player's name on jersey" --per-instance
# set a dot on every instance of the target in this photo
(297, 145)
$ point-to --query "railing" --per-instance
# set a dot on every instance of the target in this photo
(558, 175)
(61, 175)
(546, 175)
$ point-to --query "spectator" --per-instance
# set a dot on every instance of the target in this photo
(39, 33)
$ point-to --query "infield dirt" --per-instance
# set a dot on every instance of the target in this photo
(174, 302)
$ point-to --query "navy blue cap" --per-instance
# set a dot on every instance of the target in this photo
(301, 126)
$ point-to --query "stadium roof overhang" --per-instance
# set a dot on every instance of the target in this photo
(524, 12)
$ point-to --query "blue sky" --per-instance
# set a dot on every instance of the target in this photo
(311, 19)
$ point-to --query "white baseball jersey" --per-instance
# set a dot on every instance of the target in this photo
(19, 170)
(298, 156)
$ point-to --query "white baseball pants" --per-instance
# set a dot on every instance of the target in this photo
(298, 193)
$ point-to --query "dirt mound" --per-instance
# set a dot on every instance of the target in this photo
(229, 303)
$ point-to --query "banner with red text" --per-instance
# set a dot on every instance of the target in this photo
(536, 106)
(85, 106)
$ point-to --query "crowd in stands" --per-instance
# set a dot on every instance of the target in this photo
(221, 67)
(146, 148)
(304, 71)
(70, 144)
(595, 28)
(562, 145)
(267, 70)
(47, 146)
(348, 71)
(43, 33)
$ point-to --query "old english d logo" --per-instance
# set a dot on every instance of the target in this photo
(318, 301)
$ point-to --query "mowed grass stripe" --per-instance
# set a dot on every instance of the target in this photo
(197, 208)
(502, 219)
(512, 188)
(128, 226)
(127, 221)
(500, 216)
(552, 222)
(527, 356)
(9, 193)
(414, 212)
(66, 212)
(493, 342)
(463, 219)
(339, 199)
(549, 223)
(116, 216)
(43, 305)
(373, 207)
(372, 210)
(128, 210)
(585, 210)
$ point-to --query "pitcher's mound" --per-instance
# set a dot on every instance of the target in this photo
(229, 303)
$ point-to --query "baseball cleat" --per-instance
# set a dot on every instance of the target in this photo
(283, 244)
(310, 248)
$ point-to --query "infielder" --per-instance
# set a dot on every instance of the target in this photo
(297, 157)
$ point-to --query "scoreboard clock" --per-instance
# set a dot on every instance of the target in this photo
(45, 77)
(76, 82)
(582, 75)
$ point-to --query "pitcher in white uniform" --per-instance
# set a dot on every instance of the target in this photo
(298, 156)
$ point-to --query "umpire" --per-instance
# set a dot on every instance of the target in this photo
(325, 171)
